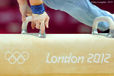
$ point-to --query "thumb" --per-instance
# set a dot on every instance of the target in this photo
(23, 18)
(33, 25)
(47, 22)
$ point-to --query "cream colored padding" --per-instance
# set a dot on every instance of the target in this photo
(30, 55)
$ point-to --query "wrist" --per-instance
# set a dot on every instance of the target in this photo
(38, 9)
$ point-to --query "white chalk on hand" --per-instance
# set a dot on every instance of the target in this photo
(24, 27)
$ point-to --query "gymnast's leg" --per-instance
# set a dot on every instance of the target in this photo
(82, 10)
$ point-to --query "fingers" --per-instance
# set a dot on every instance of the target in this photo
(41, 21)
(33, 25)
(38, 23)
(47, 22)
(42, 27)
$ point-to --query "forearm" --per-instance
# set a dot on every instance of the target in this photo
(22, 2)
(36, 2)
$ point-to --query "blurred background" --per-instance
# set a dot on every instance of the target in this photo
(60, 22)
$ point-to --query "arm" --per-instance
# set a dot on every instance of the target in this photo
(38, 19)
(24, 9)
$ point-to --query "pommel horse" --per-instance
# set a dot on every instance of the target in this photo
(58, 54)
(103, 19)
(94, 26)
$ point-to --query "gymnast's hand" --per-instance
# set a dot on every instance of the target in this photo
(40, 21)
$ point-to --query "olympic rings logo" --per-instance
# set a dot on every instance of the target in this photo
(17, 57)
